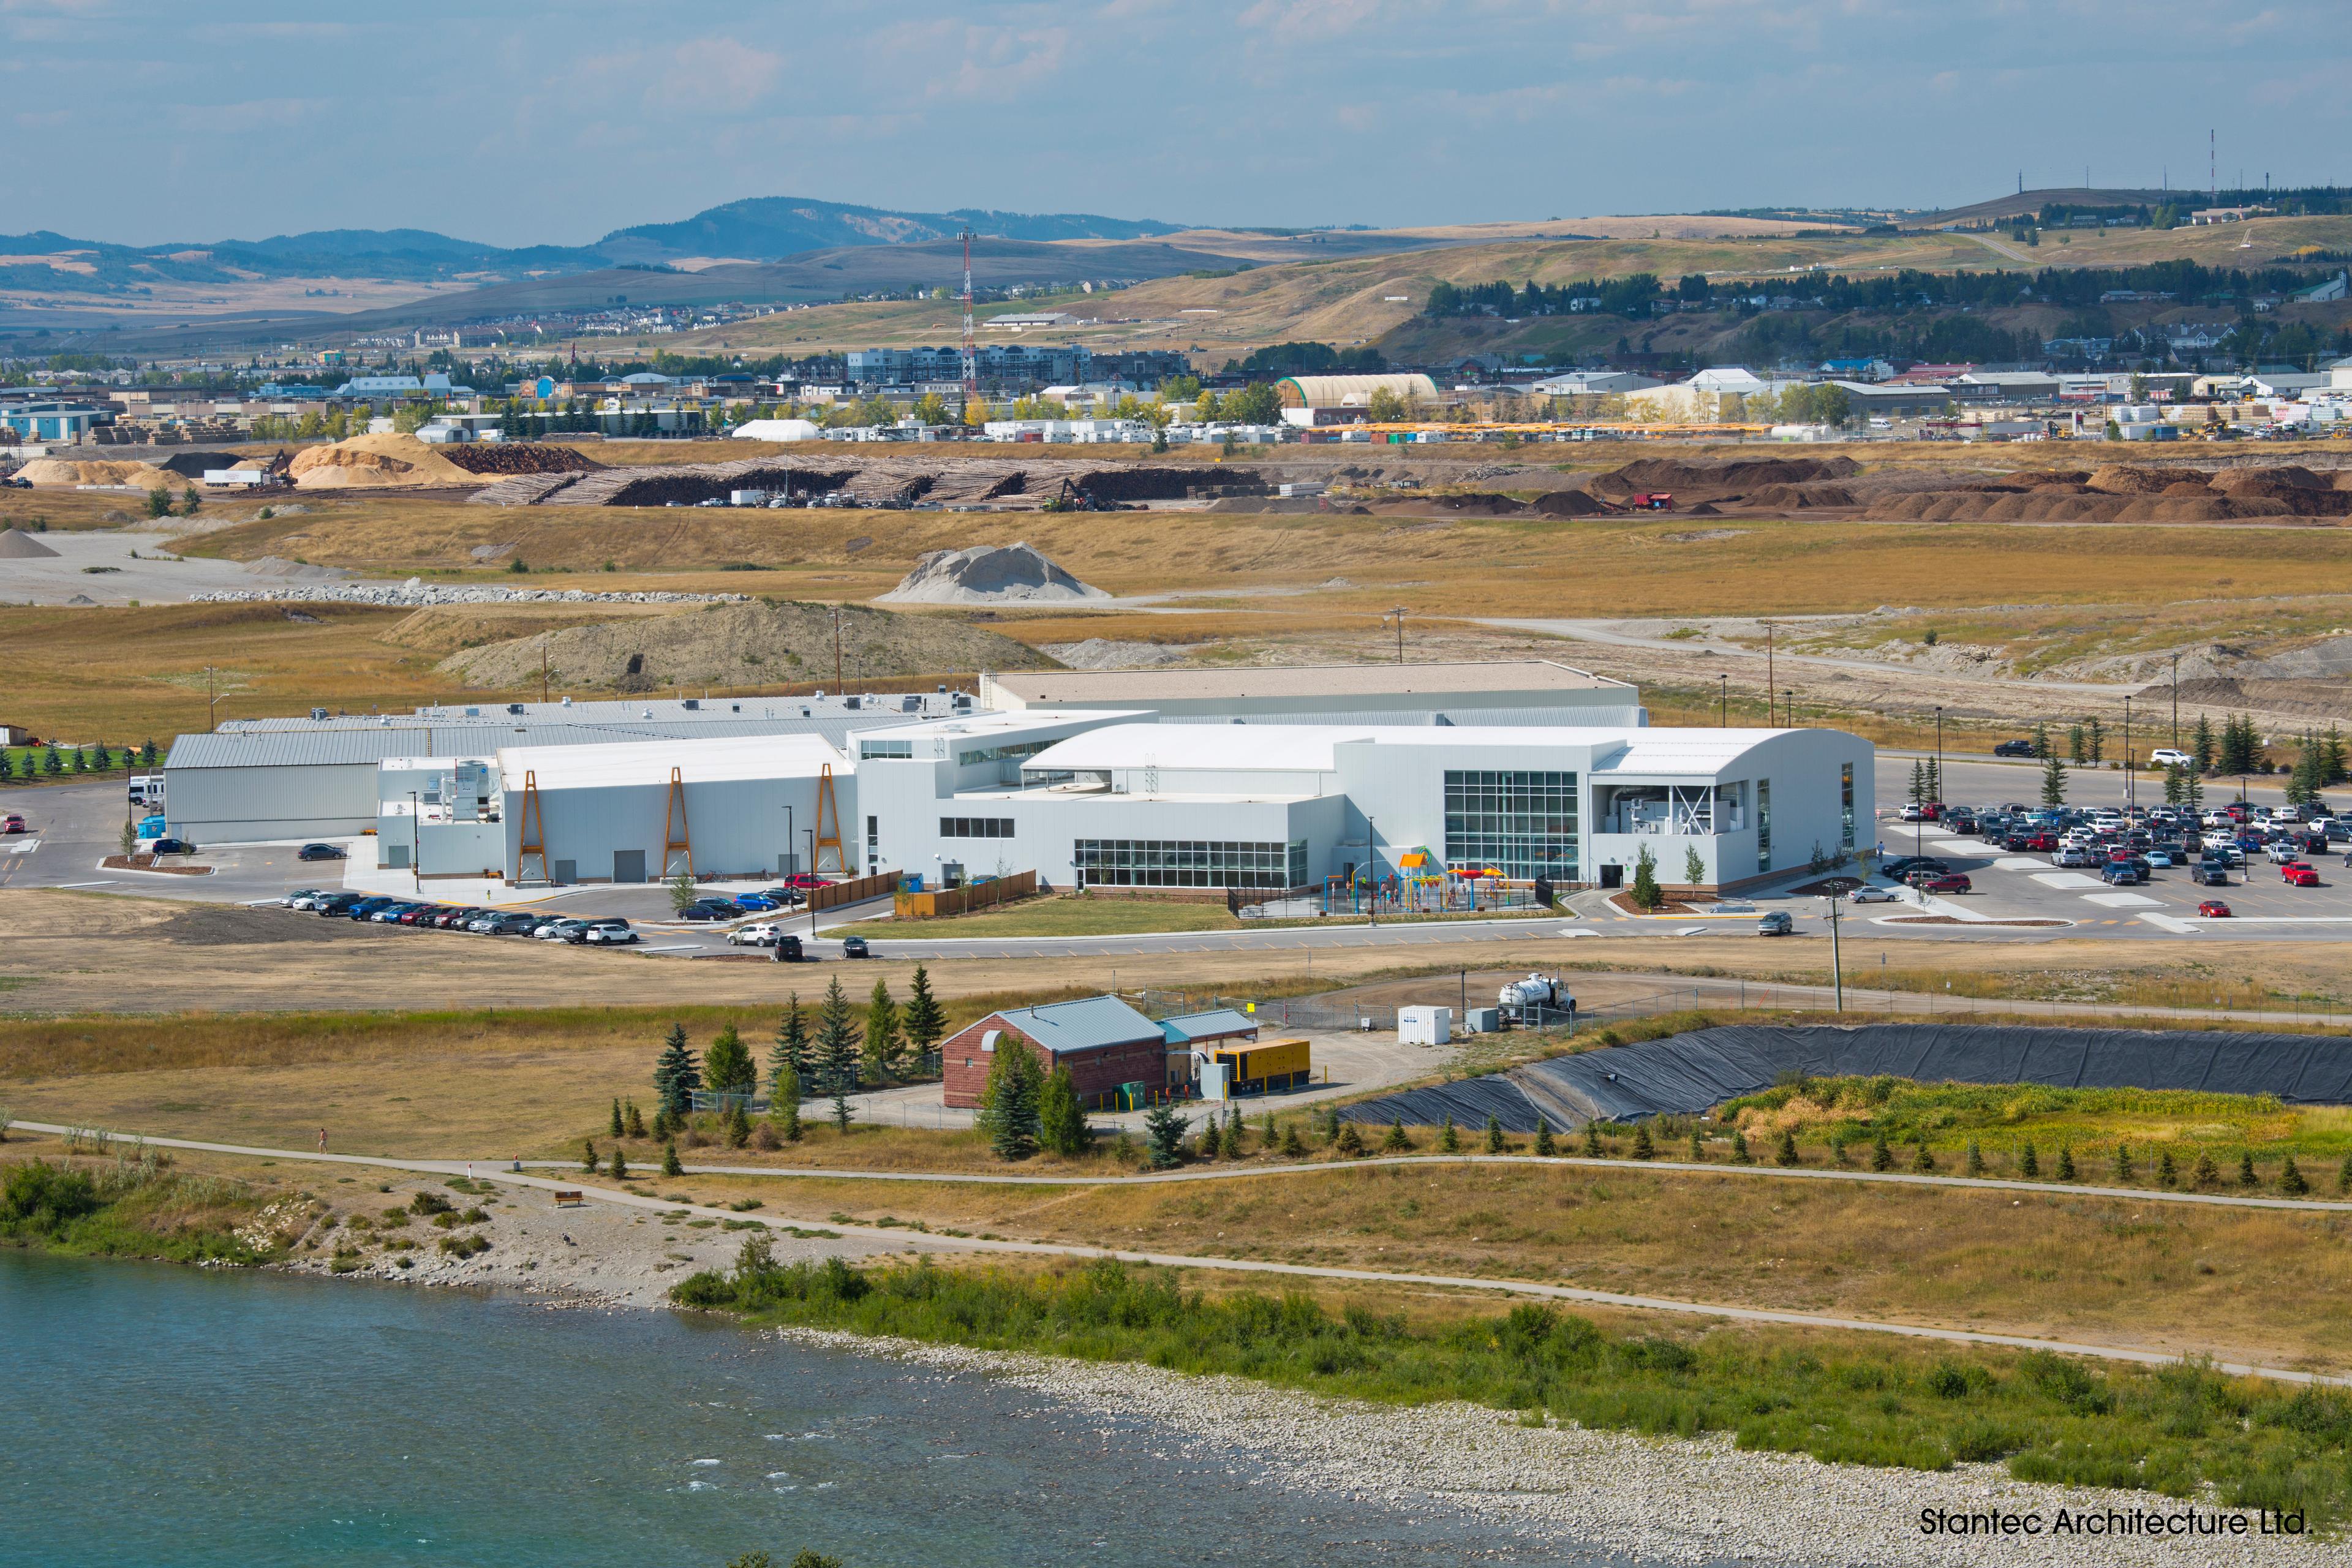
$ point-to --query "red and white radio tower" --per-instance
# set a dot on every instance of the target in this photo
(971, 350)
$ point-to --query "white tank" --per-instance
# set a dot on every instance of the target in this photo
(1535, 990)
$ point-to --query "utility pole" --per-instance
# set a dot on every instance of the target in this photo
(1837, 970)
(1940, 752)
(1722, 701)
(1769, 676)
(2131, 775)
(2176, 702)
(1397, 614)
(416, 844)
(836, 647)
(542, 669)
(211, 723)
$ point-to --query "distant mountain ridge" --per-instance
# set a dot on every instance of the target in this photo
(761, 228)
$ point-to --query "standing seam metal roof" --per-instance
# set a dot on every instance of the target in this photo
(312, 748)
(1086, 1024)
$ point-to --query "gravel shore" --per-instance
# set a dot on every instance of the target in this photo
(1653, 1502)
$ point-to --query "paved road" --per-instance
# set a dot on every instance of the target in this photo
(492, 1171)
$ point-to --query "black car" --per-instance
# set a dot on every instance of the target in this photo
(788, 949)
(709, 910)
(1897, 868)
(172, 847)
(2014, 749)
(854, 947)
(339, 904)
(2212, 874)
(319, 852)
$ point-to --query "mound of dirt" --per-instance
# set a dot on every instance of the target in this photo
(987, 575)
(518, 457)
(2131, 479)
(280, 567)
(17, 545)
(1477, 504)
(1797, 498)
(755, 643)
(1730, 476)
(1569, 503)
(374, 462)
(1102, 653)
(2311, 699)
(69, 471)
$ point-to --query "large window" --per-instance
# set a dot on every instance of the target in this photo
(1763, 825)
(975, 827)
(1190, 863)
(1522, 824)
(999, 754)
(1846, 803)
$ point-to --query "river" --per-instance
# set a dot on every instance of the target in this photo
(168, 1417)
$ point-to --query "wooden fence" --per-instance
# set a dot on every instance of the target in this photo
(856, 891)
(957, 900)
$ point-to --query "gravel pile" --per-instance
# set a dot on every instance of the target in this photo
(417, 594)
(1655, 1501)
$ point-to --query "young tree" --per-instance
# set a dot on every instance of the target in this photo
(2077, 746)
(681, 891)
(738, 1125)
(1643, 1148)
(728, 1064)
(2042, 739)
(588, 1156)
(785, 1103)
(2201, 744)
(1647, 895)
(883, 1045)
(1395, 1141)
(1693, 867)
(1213, 1136)
(2053, 783)
(1062, 1120)
(1011, 1103)
(1786, 1154)
(834, 1056)
(620, 1128)
(670, 1167)
(620, 1165)
(924, 1021)
(792, 1047)
(676, 1075)
(1546, 1145)
(1494, 1133)
(1164, 1132)
(2096, 733)
(1918, 791)
(636, 1127)
(1350, 1143)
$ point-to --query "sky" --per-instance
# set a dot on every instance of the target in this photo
(531, 122)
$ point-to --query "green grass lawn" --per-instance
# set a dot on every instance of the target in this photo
(1102, 914)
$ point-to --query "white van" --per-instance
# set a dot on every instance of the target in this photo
(147, 789)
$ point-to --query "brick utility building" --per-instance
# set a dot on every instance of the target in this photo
(1105, 1043)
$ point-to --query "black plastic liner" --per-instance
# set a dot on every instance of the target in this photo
(1692, 1072)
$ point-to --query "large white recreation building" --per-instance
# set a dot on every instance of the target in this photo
(1263, 781)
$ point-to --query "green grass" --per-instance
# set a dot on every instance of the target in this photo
(2173, 1430)
(130, 1208)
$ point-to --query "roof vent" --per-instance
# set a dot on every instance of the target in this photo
(317, 713)
(567, 702)
(693, 704)
(514, 707)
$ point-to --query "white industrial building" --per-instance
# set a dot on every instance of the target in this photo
(1260, 779)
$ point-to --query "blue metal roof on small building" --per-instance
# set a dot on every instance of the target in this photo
(1089, 1024)
(1217, 1023)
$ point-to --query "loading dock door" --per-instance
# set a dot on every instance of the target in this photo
(1612, 875)
(628, 865)
(567, 871)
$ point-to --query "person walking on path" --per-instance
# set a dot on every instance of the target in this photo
(322, 1131)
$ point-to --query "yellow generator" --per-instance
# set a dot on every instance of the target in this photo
(1264, 1068)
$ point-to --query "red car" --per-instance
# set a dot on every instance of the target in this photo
(805, 880)
(2292, 866)
(2043, 843)
(2214, 910)
(12, 823)
(1950, 882)
(2299, 876)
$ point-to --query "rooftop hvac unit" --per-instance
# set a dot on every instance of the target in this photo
(514, 707)
(693, 704)
(317, 713)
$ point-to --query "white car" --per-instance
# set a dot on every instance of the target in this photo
(558, 931)
(1868, 895)
(2170, 757)
(761, 935)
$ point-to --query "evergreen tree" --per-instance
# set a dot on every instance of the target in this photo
(2344, 1175)
(1921, 1161)
(620, 1165)
(1647, 893)
(2176, 783)
(661, 1123)
(2053, 783)
(1235, 1131)
(620, 1128)
(2291, 1179)
(2206, 1172)
(1293, 1147)
(636, 1127)
(1350, 1143)
(792, 1046)
(2065, 1163)
(1591, 1139)
(2028, 1164)
(588, 1157)
(1164, 1134)
(2246, 1177)
(52, 765)
(2096, 734)
(2193, 792)
(2077, 749)
(1494, 1134)
(739, 1124)
(1882, 1158)
(1740, 1155)
(7, 765)
(1975, 1159)
(1010, 1104)
(1698, 1152)
(728, 1064)
(2123, 1162)
(1062, 1120)
(2201, 744)
(2335, 760)
(924, 1021)
(2168, 1173)
(1787, 1153)
(1395, 1141)
(147, 754)
(834, 1054)
(1449, 1141)
(785, 1103)
(2041, 741)
(677, 1075)
(1918, 782)
(884, 1044)
(670, 1167)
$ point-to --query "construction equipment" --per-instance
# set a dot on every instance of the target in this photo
(1653, 501)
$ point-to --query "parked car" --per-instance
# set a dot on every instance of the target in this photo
(300, 897)
(517, 922)
(2288, 871)
(1870, 894)
(2281, 853)
(319, 852)
(786, 897)
(2210, 874)
(2170, 757)
(805, 880)
(2122, 874)
(422, 915)
(2159, 858)
(1899, 867)
(761, 936)
(2301, 877)
(2071, 855)
(12, 823)
(561, 930)
(708, 909)
(755, 903)
(2014, 749)
(337, 903)
(1912, 811)
(788, 948)
(390, 914)
(484, 922)
(2213, 910)
(457, 919)
(1950, 882)
(854, 947)
(368, 909)
(171, 847)
(613, 930)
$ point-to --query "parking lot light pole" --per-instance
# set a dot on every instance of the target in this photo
(1722, 701)
(1939, 753)
(416, 844)
(1837, 971)
(2131, 775)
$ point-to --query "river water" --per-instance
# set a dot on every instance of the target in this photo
(171, 1418)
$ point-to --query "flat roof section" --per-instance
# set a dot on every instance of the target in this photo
(1144, 687)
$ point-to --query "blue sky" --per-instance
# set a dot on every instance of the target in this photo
(523, 122)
